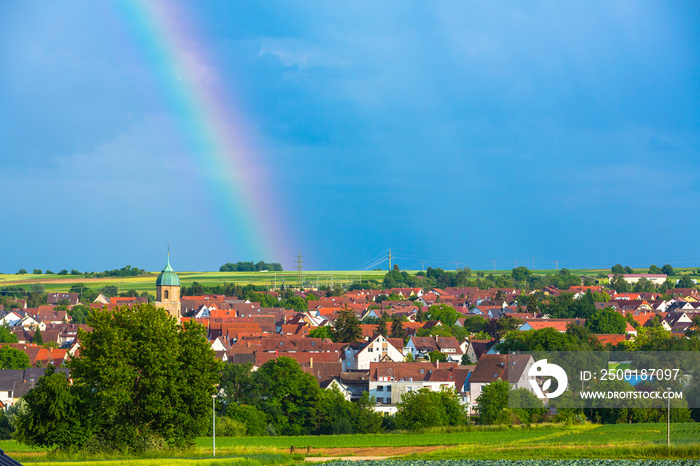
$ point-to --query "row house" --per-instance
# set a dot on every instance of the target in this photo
(389, 381)
(420, 347)
(72, 299)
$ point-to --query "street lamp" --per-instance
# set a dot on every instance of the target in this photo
(668, 418)
(213, 425)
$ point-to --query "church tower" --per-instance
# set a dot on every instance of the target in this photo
(168, 291)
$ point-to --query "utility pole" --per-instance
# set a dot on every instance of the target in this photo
(390, 260)
(299, 267)
(556, 265)
(422, 265)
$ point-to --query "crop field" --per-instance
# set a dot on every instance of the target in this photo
(314, 279)
(142, 283)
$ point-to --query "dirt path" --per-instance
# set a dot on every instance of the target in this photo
(360, 454)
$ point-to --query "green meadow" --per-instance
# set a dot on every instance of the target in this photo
(620, 441)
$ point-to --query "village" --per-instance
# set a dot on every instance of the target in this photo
(404, 342)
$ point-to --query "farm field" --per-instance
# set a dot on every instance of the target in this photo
(55, 282)
(621, 441)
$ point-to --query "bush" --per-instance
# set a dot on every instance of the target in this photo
(227, 427)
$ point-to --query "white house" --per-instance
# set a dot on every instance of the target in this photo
(378, 349)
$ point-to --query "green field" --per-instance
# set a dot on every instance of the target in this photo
(551, 441)
(148, 282)
(54, 282)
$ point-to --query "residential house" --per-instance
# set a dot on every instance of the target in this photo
(378, 349)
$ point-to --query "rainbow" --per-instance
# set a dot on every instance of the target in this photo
(248, 208)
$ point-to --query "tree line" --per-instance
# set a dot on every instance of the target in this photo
(126, 271)
(251, 267)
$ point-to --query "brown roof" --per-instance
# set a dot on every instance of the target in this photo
(396, 371)
(493, 367)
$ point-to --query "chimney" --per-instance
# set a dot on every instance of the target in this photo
(311, 362)
(438, 364)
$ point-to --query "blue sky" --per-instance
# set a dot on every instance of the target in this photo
(448, 131)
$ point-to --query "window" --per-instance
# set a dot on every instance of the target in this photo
(380, 400)
(313, 343)
(422, 371)
(166, 294)
(380, 388)
(369, 350)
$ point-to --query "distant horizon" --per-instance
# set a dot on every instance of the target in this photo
(151, 271)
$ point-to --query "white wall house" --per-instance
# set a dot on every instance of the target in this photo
(379, 349)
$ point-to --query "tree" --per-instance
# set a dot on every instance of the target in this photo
(144, 378)
(365, 418)
(607, 321)
(397, 328)
(617, 269)
(22, 272)
(79, 313)
(444, 313)
(322, 332)
(436, 355)
(629, 269)
(38, 288)
(527, 407)
(667, 269)
(685, 282)
(37, 272)
(6, 335)
(288, 395)
(238, 384)
(347, 327)
(382, 329)
(644, 286)
(38, 339)
(520, 274)
(493, 403)
(655, 270)
(255, 420)
(53, 417)
(11, 358)
(109, 291)
(619, 284)
(425, 408)
(546, 339)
